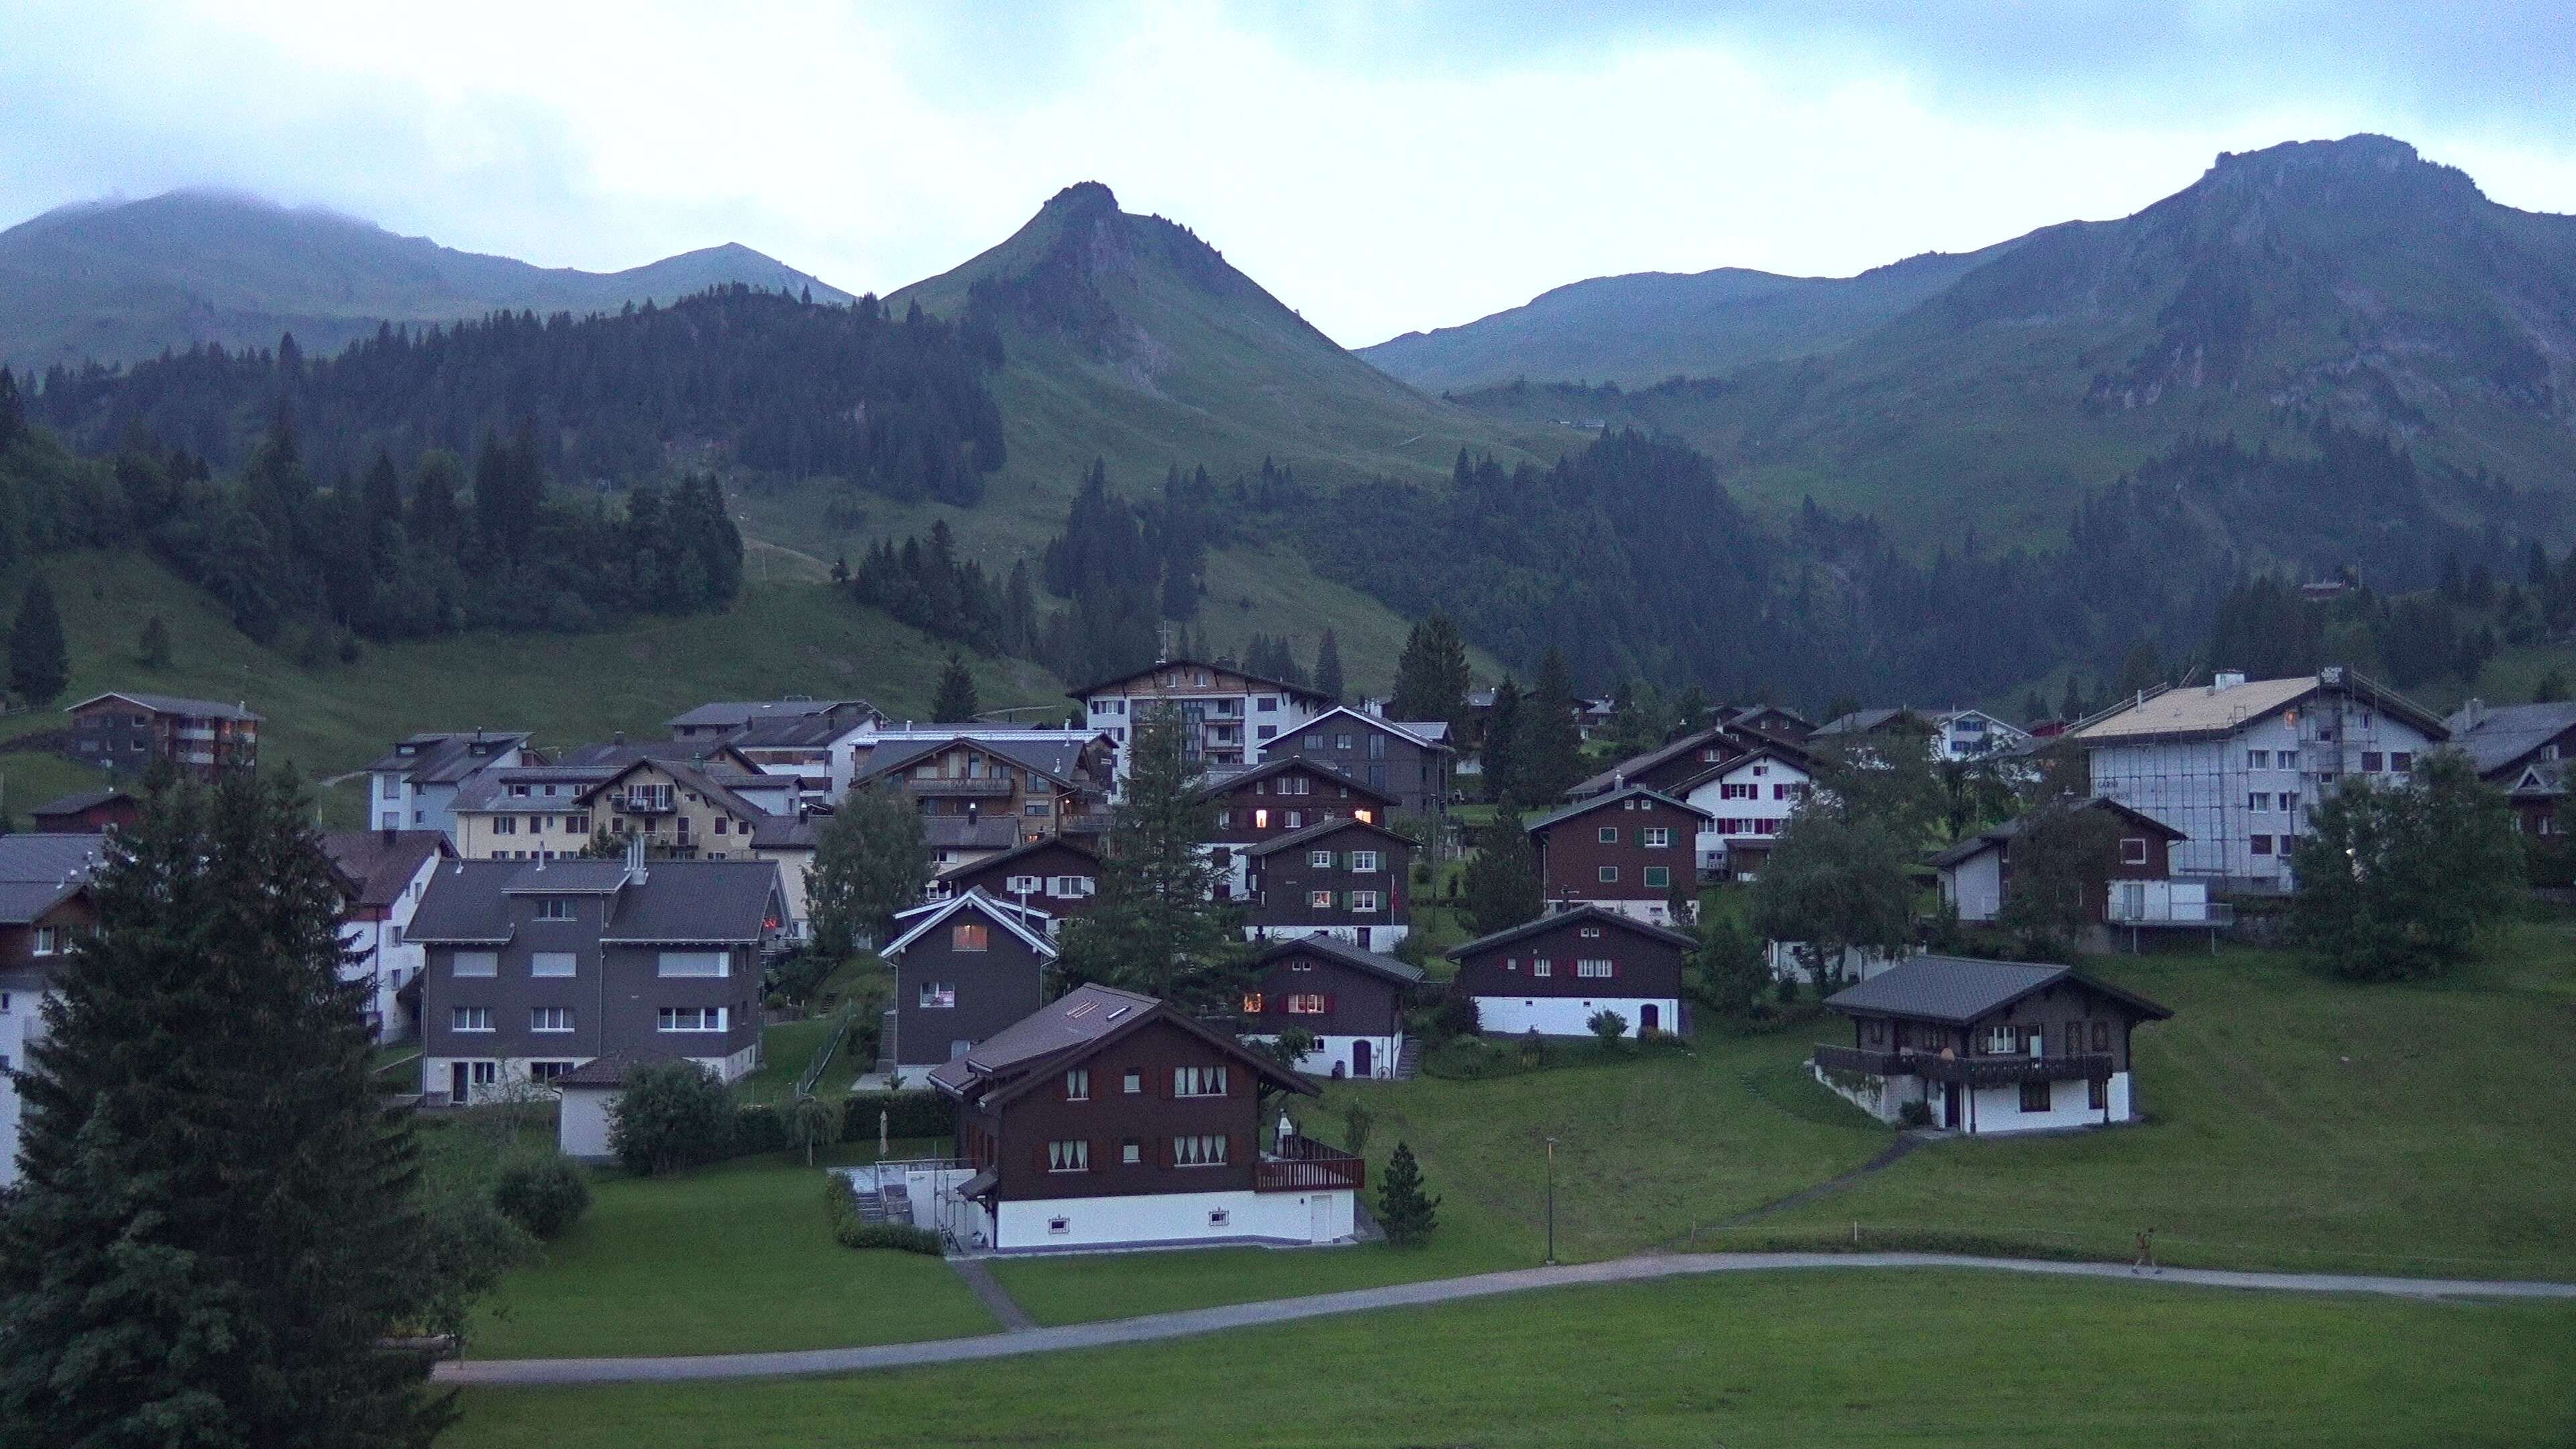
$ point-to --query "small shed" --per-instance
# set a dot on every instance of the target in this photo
(590, 1095)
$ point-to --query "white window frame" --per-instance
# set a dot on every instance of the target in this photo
(1595, 968)
(1199, 1081)
(544, 1019)
(476, 965)
(1202, 1149)
(1320, 859)
(1072, 1154)
(476, 1020)
(687, 965)
(1363, 900)
(706, 1019)
(1363, 862)
(936, 996)
(540, 961)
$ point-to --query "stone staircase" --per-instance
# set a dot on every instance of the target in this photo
(1409, 1060)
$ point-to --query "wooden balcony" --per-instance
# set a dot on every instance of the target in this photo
(1303, 1164)
(1968, 1071)
(984, 786)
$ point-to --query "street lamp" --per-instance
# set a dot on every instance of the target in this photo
(1551, 1202)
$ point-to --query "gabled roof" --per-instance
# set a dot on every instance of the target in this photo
(736, 713)
(2498, 737)
(1058, 757)
(2011, 830)
(489, 790)
(1007, 1063)
(1384, 967)
(174, 704)
(1238, 671)
(1018, 851)
(443, 757)
(1322, 828)
(1228, 783)
(611, 1069)
(40, 871)
(1960, 989)
(1009, 918)
(785, 832)
(1862, 721)
(2205, 711)
(1661, 754)
(1414, 733)
(380, 864)
(679, 902)
(1590, 915)
(2539, 778)
(80, 800)
(1598, 802)
(1789, 755)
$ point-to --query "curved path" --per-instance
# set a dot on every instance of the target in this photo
(1196, 1321)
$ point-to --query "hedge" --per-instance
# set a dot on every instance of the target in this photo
(852, 1231)
(909, 1114)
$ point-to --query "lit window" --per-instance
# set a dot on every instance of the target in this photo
(969, 936)
(1305, 1005)
(1252, 1003)
(1260, 819)
(938, 994)
(1319, 900)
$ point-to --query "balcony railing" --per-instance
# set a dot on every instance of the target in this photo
(1968, 1071)
(645, 804)
(1303, 1164)
(982, 785)
(2172, 913)
(1092, 823)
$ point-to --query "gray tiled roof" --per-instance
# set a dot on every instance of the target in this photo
(736, 713)
(1227, 781)
(38, 871)
(442, 757)
(1859, 721)
(1639, 764)
(1081, 1016)
(1597, 802)
(2498, 736)
(1060, 758)
(610, 1070)
(79, 800)
(957, 832)
(2011, 830)
(1598, 915)
(177, 704)
(1960, 989)
(382, 862)
(677, 901)
(1403, 973)
(1322, 828)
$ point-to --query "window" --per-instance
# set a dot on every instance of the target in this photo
(1341, 742)
(2259, 800)
(2133, 850)
(505, 825)
(544, 1072)
(1377, 747)
(1592, 933)
(1198, 1081)
(2372, 761)
(519, 790)
(1219, 1217)
(1059, 1225)
(1038, 809)
(1364, 862)
(2260, 844)
(1608, 835)
(936, 995)
(1597, 968)
(1134, 1083)
(53, 940)
(1260, 819)
(970, 936)
(1073, 1156)
(577, 824)
(1609, 875)
(1320, 859)
(2097, 1094)
(1364, 900)
(694, 963)
(478, 963)
(1659, 877)
(2003, 1041)
(2034, 1096)
(551, 963)
(2101, 1036)
(1655, 837)
(1746, 791)
(690, 1018)
(1319, 900)
(1225, 820)
(1022, 885)
(1314, 742)
(1252, 1003)
(1265, 703)
(1131, 1152)
(1207, 1150)
(721, 825)
(1541, 966)
(1077, 1085)
(2258, 759)
(550, 1018)
(469, 1018)
(1296, 819)
(2403, 762)
(1306, 1004)
(1069, 885)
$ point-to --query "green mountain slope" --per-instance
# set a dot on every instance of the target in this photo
(1644, 327)
(2348, 281)
(117, 281)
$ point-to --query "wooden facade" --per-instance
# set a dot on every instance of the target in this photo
(1631, 850)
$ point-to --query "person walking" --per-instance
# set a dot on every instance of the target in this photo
(2147, 1254)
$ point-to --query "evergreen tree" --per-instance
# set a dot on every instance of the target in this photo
(1502, 888)
(39, 661)
(13, 413)
(1431, 676)
(155, 649)
(1156, 926)
(218, 1220)
(871, 859)
(956, 702)
(2551, 688)
(1498, 750)
(1328, 668)
(1691, 713)
(1547, 748)
(1406, 1212)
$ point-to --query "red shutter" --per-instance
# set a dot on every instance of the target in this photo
(1165, 1074)
(1042, 1162)
(1328, 1004)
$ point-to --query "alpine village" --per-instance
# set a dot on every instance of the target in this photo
(735, 863)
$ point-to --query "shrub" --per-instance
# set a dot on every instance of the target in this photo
(542, 1193)
(1917, 1113)
(1607, 1025)
(672, 1115)
(850, 1230)
(1356, 1121)
(1453, 1015)
(1406, 1212)
(909, 1114)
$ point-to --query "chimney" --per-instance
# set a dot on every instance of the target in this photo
(617, 737)
(389, 835)
(2226, 679)
(2475, 712)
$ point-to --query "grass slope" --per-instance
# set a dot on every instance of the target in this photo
(786, 635)
(1777, 1359)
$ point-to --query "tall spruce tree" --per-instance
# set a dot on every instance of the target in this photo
(1406, 1212)
(1502, 885)
(1431, 675)
(1547, 750)
(40, 663)
(218, 1222)
(1157, 926)
(956, 702)
(1328, 668)
(1498, 749)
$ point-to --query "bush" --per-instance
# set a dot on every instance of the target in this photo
(1473, 1059)
(542, 1193)
(1454, 1015)
(1607, 1025)
(841, 1201)
(910, 1114)
(1917, 1113)
(759, 1127)
(672, 1115)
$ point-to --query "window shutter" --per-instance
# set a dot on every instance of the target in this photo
(1171, 1087)
(1041, 1153)
(1328, 1003)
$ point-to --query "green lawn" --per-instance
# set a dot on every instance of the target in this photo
(2298, 1122)
(1774, 1359)
(730, 1259)
(785, 1051)
(1647, 1148)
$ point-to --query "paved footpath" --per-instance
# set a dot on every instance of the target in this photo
(1441, 1290)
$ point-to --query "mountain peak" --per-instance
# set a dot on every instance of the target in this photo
(2363, 163)
(1083, 199)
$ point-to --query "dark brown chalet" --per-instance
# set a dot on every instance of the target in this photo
(1287, 795)
(128, 731)
(1627, 851)
(1350, 1000)
(1409, 760)
(1552, 974)
(90, 812)
(1987, 1046)
(46, 907)
(1348, 878)
(964, 969)
(1058, 876)
(1108, 1118)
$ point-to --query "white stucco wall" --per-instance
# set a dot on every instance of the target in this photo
(1976, 885)
(581, 1130)
(1179, 1217)
(1763, 775)
(21, 1026)
(1368, 938)
(1566, 1015)
(1332, 1054)
(1996, 1110)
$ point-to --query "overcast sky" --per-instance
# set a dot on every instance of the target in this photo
(1381, 166)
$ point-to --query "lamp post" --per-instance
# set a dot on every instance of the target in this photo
(1551, 1202)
